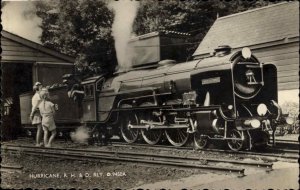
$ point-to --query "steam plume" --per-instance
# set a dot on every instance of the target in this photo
(80, 135)
(19, 17)
(125, 13)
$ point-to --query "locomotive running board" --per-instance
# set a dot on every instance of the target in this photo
(153, 127)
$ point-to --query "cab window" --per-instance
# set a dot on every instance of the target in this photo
(99, 86)
(91, 90)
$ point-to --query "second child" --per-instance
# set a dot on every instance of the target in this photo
(47, 110)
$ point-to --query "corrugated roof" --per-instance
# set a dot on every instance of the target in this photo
(262, 25)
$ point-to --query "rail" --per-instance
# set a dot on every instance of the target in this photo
(276, 153)
(192, 162)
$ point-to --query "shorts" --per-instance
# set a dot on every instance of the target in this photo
(37, 118)
(49, 128)
(48, 123)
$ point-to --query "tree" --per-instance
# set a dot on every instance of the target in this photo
(82, 28)
(79, 27)
(194, 17)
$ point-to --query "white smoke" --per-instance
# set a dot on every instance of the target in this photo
(81, 135)
(19, 17)
(125, 13)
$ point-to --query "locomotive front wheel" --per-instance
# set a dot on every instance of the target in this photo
(150, 136)
(236, 144)
(200, 141)
(128, 134)
(177, 137)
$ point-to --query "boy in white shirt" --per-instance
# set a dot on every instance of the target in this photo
(35, 116)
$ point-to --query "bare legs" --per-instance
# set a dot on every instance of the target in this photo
(53, 134)
(46, 137)
(38, 135)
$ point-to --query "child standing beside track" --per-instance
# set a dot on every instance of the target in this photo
(47, 110)
(35, 115)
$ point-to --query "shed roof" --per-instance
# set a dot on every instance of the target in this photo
(36, 46)
(257, 26)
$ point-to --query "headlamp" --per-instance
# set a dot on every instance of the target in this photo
(289, 120)
(246, 52)
(255, 123)
(262, 109)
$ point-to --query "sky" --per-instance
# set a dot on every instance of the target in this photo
(18, 17)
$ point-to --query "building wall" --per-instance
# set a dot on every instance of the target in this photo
(14, 51)
(50, 72)
(286, 58)
(23, 63)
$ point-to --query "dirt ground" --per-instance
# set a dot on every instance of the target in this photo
(43, 173)
(283, 176)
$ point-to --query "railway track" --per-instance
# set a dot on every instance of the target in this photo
(286, 141)
(281, 145)
(11, 168)
(190, 162)
(271, 153)
(291, 155)
(287, 144)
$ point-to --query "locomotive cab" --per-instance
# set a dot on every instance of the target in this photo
(91, 88)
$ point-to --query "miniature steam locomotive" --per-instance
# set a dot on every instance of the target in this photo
(228, 96)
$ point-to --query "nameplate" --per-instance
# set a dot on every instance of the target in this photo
(211, 80)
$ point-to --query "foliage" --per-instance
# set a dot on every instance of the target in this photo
(194, 17)
(187, 16)
(80, 28)
(291, 108)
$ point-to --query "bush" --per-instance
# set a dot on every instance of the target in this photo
(291, 108)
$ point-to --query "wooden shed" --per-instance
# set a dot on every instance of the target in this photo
(23, 63)
(272, 32)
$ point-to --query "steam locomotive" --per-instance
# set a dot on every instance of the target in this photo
(229, 96)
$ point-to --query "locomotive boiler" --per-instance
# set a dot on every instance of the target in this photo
(229, 96)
